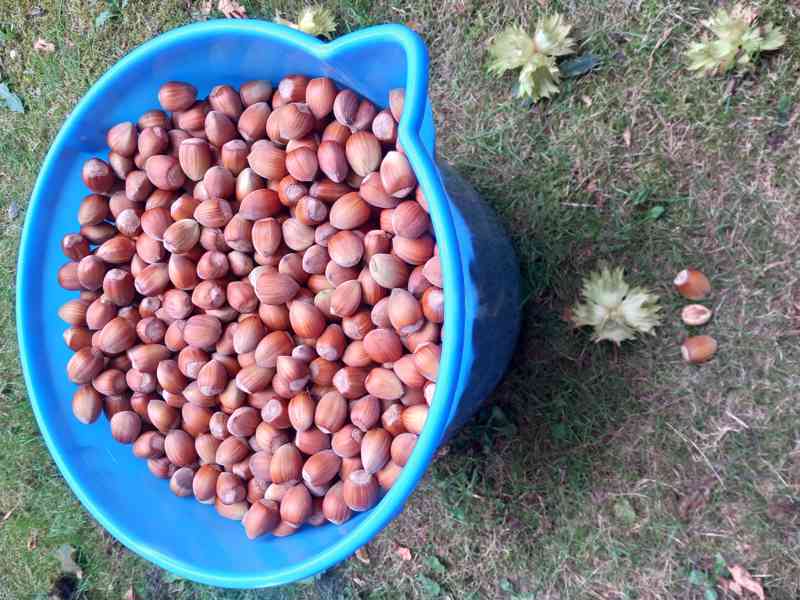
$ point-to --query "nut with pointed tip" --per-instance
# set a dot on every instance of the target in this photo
(180, 483)
(385, 127)
(349, 212)
(296, 235)
(414, 418)
(330, 414)
(164, 172)
(320, 95)
(363, 152)
(231, 451)
(98, 175)
(405, 312)
(375, 449)
(125, 426)
(692, 284)
(84, 365)
(286, 465)
(333, 505)
(267, 160)
(388, 271)
(176, 96)
(150, 444)
(152, 141)
(256, 90)
(312, 441)
(433, 305)
(360, 490)
(402, 447)
(253, 121)
(295, 505)
(699, 349)
(230, 488)
(87, 403)
(388, 475)
(320, 468)
(262, 517)
(122, 139)
(332, 161)
(195, 159)
(397, 177)
(204, 483)
(384, 384)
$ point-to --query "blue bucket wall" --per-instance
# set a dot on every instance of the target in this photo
(481, 303)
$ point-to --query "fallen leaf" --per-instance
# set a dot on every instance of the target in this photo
(742, 578)
(359, 582)
(729, 586)
(404, 553)
(44, 46)
(362, 555)
(626, 136)
(587, 101)
(232, 9)
(36, 11)
(13, 213)
(66, 556)
(10, 99)
(130, 594)
(33, 540)
(206, 7)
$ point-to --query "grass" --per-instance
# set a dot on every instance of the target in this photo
(594, 472)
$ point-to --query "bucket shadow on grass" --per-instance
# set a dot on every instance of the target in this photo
(535, 451)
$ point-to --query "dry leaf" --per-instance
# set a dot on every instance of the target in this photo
(44, 46)
(404, 553)
(729, 586)
(33, 539)
(130, 594)
(587, 101)
(362, 555)
(232, 9)
(626, 135)
(742, 578)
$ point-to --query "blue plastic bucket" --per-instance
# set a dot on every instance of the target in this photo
(480, 283)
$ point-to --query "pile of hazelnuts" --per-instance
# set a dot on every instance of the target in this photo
(260, 310)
